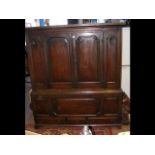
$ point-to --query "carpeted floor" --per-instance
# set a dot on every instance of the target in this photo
(71, 130)
(29, 123)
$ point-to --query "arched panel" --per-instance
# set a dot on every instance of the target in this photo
(59, 59)
(87, 56)
(112, 58)
(36, 58)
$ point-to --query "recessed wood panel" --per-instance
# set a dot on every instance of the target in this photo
(110, 105)
(37, 62)
(76, 120)
(112, 58)
(87, 106)
(87, 57)
(59, 59)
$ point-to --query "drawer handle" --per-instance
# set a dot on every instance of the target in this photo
(34, 43)
(54, 113)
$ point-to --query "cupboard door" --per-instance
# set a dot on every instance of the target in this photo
(87, 58)
(87, 50)
(59, 59)
(112, 57)
(36, 60)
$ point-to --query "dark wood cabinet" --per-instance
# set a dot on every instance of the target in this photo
(76, 74)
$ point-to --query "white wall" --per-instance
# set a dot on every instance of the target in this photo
(58, 21)
(125, 84)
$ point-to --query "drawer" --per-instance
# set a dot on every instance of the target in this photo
(46, 119)
(113, 119)
(76, 120)
(76, 106)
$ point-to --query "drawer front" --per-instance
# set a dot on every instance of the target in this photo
(76, 106)
(78, 120)
(105, 120)
(47, 119)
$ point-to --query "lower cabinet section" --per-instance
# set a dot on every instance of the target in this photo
(99, 109)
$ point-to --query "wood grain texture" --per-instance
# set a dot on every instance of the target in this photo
(59, 59)
(87, 58)
(75, 73)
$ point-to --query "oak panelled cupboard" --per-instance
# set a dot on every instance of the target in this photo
(76, 74)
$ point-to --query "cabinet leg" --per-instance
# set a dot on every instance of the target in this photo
(119, 127)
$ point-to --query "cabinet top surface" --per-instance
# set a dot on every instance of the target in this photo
(101, 25)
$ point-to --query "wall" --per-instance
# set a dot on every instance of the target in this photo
(126, 60)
